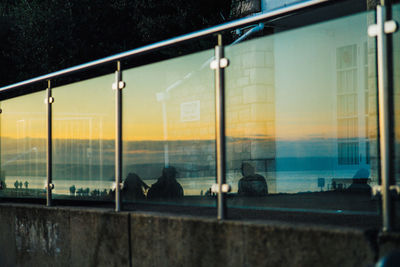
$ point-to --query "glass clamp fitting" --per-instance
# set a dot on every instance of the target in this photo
(49, 100)
(119, 85)
(389, 27)
(221, 63)
(377, 190)
(49, 186)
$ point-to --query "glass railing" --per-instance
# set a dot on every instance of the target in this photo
(169, 131)
(83, 139)
(23, 146)
(300, 123)
(301, 119)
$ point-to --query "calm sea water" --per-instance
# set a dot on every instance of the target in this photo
(278, 182)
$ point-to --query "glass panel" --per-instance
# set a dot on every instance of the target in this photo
(396, 83)
(23, 146)
(83, 139)
(301, 119)
(169, 131)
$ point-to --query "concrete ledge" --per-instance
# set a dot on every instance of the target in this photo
(37, 235)
(41, 236)
(166, 241)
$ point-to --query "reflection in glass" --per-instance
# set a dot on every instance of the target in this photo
(23, 146)
(251, 184)
(301, 113)
(83, 139)
(168, 130)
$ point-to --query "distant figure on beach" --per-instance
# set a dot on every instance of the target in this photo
(16, 184)
(251, 184)
(86, 191)
(26, 184)
(134, 187)
(360, 182)
(72, 190)
(166, 186)
(20, 185)
(79, 192)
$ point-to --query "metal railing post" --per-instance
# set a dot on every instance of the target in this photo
(118, 86)
(380, 29)
(384, 131)
(49, 159)
(219, 64)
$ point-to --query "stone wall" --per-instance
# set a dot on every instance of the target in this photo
(37, 235)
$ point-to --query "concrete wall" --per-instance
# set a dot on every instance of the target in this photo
(36, 235)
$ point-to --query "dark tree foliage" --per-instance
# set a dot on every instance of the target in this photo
(42, 36)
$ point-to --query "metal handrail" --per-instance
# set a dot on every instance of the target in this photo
(169, 42)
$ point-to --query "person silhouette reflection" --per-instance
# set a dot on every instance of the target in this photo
(360, 182)
(166, 186)
(251, 184)
(134, 187)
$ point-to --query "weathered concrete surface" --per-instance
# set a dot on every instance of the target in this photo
(165, 241)
(37, 235)
(7, 237)
(40, 236)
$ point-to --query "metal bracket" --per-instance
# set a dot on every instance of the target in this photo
(225, 188)
(222, 63)
(377, 190)
(49, 186)
(389, 27)
(49, 100)
(119, 85)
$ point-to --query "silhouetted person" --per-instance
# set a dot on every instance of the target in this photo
(251, 184)
(360, 182)
(134, 187)
(20, 185)
(79, 192)
(16, 184)
(166, 186)
(26, 184)
(72, 190)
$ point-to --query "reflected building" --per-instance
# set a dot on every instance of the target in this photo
(356, 107)
(305, 109)
(250, 111)
(82, 155)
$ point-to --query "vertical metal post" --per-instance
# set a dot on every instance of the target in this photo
(49, 184)
(380, 29)
(220, 128)
(118, 86)
(383, 102)
(384, 130)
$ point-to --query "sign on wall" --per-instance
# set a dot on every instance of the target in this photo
(190, 111)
